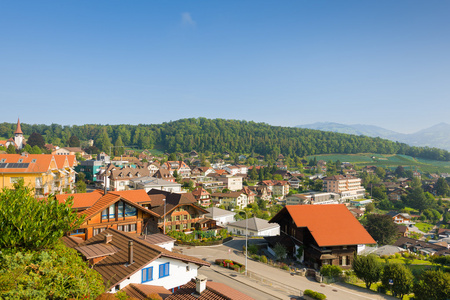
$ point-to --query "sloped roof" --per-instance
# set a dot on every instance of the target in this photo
(141, 291)
(330, 225)
(136, 196)
(213, 291)
(81, 200)
(32, 163)
(254, 224)
(18, 128)
(107, 200)
(215, 212)
(114, 268)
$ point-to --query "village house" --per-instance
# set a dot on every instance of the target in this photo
(278, 187)
(230, 199)
(399, 218)
(178, 212)
(254, 227)
(313, 198)
(147, 183)
(221, 216)
(120, 210)
(122, 258)
(120, 179)
(328, 234)
(45, 173)
(202, 196)
(180, 166)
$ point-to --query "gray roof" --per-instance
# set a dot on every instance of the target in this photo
(149, 181)
(255, 224)
(384, 250)
(215, 212)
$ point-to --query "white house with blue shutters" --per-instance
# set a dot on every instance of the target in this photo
(123, 258)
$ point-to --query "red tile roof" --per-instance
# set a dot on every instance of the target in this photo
(136, 196)
(330, 225)
(81, 200)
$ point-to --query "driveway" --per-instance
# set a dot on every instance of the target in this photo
(280, 284)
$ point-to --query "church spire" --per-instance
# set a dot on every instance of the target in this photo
(18, 129)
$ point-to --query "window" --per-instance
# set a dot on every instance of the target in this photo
(112, 213)
(98, 230)
(130, 211)
(164, 270)
(185, 217)
(127, 227)
(16, 179)
(121, 209)
(78, 231)
(147, 274)
(20, 160)
(105, 214)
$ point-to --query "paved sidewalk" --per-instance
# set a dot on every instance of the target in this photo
(276, 282)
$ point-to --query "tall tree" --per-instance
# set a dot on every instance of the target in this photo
(442, 188)
(382, 228)
(397, 278)
(35, 139)
(119, 148)
(74, 141)
(102, 142)
(432, 285)
(367, 268)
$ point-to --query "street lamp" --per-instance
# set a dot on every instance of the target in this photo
(164, 217)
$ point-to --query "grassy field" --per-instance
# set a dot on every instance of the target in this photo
(387, 161)
(424, 227)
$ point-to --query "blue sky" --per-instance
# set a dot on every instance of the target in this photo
(286, 63)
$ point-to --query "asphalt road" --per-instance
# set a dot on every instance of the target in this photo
(235, 284)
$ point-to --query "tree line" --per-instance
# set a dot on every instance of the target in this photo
(219, 135)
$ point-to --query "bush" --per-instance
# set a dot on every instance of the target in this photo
(331, 271)
(253, 249)
(315, 295)
(285, 267)
(263, 259)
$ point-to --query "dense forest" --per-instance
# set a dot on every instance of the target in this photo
(218, 135)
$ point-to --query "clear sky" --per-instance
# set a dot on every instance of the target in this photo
(385, 63)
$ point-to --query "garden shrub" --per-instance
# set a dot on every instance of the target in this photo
(263, 259)
(253, 249)
(331, 271)
(315, 295)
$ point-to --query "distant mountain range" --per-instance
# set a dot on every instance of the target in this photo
(437, 136)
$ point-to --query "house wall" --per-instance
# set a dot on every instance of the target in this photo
(179, 273)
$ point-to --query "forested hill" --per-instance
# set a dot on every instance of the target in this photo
(220, 135)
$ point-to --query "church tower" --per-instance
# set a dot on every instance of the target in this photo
(18, 136)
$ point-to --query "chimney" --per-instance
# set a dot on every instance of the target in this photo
(130, 252)
(200, 283)
(108, 238)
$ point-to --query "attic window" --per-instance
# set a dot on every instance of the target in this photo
(20, 160)
(33, 160)
(3, 160)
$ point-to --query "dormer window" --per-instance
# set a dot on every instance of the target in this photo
(20, 160)
(33, 160)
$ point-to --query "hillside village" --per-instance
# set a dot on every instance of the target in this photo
(146, 219)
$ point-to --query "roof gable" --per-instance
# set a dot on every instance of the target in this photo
(330, 225)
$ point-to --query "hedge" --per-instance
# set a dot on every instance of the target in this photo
(315, 295)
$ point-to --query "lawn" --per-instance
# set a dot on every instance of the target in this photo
(387, 161)
(424, 227)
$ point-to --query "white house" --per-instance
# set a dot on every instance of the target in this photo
(122, 258)
(148, 183)
(221, 216)
(256, 227)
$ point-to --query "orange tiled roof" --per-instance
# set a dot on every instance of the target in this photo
(81, 200)
(330, 225)
(41, 162)
(136, 196)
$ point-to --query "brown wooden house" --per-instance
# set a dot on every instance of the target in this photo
(328, 234)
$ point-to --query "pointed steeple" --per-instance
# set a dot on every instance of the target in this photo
(18, 129)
